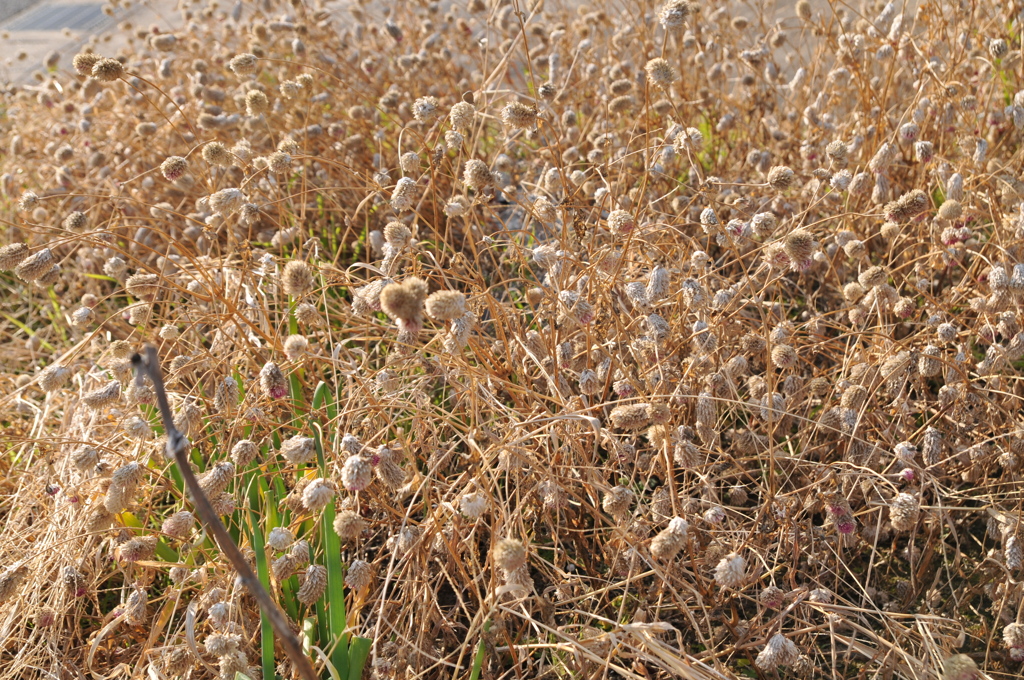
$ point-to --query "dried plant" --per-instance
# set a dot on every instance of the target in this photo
(518, 338)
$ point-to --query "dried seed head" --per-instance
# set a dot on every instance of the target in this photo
(280, 538)
(904, 511)
(227, 201)
(179, 525)
(388, 469)
(670, 540)
(244, 452)
(518, 116)
(308, 315)
(621, 222)
(731, 571)
(297, 278)
(298, 449)
(356, 473)
(103, 396)
(318, 494)
(630, 416)
(243, 65)
(509, 555)
(462, 115)
(617, 501)
(784, 356)
(476, 175)
(359, 576)
(446, 305)
(273, 382)
(12, 255)
(53, 377)
(349, 525)
(107, 70)
(403, 196)
(959, 667)
(84, 62)
(660, 73)
(295, 346)
(674, 13)
(424, 109)
(799, 246)
(780, 651)
(780, 177)
(873, 277)
(403, 302)
(473, 505)
(75, 221)
(35, 266)
(256, 103)
(313, 585)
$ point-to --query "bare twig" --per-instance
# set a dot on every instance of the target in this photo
(177, 444)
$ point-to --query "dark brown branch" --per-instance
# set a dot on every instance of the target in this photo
(177, 445)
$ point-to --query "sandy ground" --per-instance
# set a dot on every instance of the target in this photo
(9, 8)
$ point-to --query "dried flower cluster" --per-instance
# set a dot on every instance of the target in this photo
(686, 339)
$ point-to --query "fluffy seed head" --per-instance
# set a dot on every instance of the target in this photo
(359, 576)
(297, 278)
(509, 555)
(731, 571)
(780, 177)
(298, 449)
(313, 585)
(660, 73)
(476, 175)
(445, 305)
(35, 266)
(959, 667)
(272, 381)
(243, 65)
(84, 62)
(674, 13)
(518, 116)
(12, 254)
(403, 302)
(356, 474)
(173, 168)
(318, 494)
(107, 70)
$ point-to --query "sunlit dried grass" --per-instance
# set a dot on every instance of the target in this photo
(677, 305)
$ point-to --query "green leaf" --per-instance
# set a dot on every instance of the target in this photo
(263, 573)
(357, 655)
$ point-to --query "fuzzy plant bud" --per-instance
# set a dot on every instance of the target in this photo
(107, 70)
(517, 115)
(314, 583)
(476, 175)
(179, 525)
(272, 381)
(298, 449)
(670, 540)
(509, 555)
(359, 576)
(12, 255)
(35, 266)
(904, 511)
(356, 474)
(781, 177)
(731, 571)
(780, 650)
(445, 305)
(297, 278)
(403, 302)
(959, 667)
(317, 494)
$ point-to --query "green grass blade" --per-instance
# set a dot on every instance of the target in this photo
(358, 652)
(263, 572)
